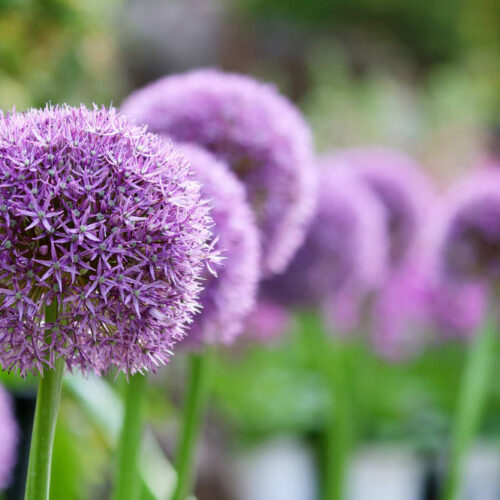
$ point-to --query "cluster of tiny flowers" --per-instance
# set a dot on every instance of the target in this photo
(257, 132)
(346, 244)
(402, 188)
(8, 438)
(105, 220)
(469, 243)
(268, 322)
(228, 298)
(417, 307)
(419, 304)
(455, 311)
(399, 317)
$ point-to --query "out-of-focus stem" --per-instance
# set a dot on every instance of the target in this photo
(197, 396)
(471, 401)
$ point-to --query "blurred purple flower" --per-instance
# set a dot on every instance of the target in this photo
(401, 186)
(228, 298)
(469, 236)
(346, 244)
(268, 322)
(399, 320)
(8, 438)
(254, 129)
(416, 308)
(105, 219)
(455, 310)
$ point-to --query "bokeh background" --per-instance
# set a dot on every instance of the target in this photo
(417, 75)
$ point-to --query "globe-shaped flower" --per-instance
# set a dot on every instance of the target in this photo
(268, 322)
(346, 244)
(257, 132)
(397, 323)
(8, 438)
(469, 241)
(229, 296)
(455, 310)
(104, 221)
(401, 186)
(416, 308)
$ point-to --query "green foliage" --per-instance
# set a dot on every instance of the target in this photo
(271, 389)
(55, 50)
(433, 32)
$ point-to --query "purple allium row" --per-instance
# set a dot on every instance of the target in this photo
(157, 226)
(123, 233)
(435, 255)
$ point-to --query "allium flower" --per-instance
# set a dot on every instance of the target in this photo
(104, 219)
(8, 438)
(229, 297)
(469, 242)
(415, 308)
(400, 185)
(256, 131)
(456, 310)
(346, 244)
(267, 322)
(399, 321)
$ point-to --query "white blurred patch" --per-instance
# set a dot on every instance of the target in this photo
(280, 469)
(385, 473)
(482, 474)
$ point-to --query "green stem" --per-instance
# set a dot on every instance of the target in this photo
(339, 425)
(472, 397)
(330, 356)
(197, 396)
(44, 425)
(127, 483)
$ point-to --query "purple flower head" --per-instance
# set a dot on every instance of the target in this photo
(105, 220)
(415, 308)
(400, 185)
(399, 317)
(229, 297)
(8, 438)
(268, 322)
(456, 311)
(469, 236)
(257, 132)
(346, 244)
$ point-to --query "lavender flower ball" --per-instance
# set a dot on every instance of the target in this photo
(257, 132)
(106, 220)
(346, 244)
(8, 438)
(456, 311)
(400, 185)
(268, 322)
(229, 296)
(469, 235)
(399, 318)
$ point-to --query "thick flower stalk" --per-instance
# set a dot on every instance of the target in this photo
(257, 132)
(228, 297)
(346, 245)
(8, 438)
(105, 221)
